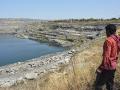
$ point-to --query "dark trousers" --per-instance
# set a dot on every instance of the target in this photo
(106, 77)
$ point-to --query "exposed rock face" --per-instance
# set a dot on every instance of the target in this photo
(56, 33)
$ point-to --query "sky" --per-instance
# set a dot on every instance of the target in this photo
(59, 9)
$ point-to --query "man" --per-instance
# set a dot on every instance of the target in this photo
(106, 71)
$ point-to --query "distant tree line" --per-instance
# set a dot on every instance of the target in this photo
(83, 19)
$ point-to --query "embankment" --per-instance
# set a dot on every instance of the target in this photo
(32, 69)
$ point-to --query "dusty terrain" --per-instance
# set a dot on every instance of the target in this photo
(79, 74)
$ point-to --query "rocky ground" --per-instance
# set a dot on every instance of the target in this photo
(73, 34)
(32, 69)
(58, 33)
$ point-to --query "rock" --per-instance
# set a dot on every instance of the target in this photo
(19, 63)
(20, 80)
(7, 71)
(73, 50)
(53, 67)
(8, 83)
(91, 37)
(70, 52)
(44, 71)
(42, 63)
(12, 72)
(2, 71)
(60, 63)
(67, 60)
(32, 65)
(31, 76)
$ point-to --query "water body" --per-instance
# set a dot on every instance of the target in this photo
(13, 49)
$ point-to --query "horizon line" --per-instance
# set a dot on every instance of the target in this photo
(56, 19)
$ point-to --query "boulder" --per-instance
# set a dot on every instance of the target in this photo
(31, 76)
(20, 80)
(8, 83)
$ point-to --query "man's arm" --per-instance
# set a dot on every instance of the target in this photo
(106, 55)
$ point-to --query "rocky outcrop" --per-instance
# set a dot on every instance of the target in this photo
(32, 69)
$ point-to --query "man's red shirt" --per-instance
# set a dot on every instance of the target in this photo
(110, 54)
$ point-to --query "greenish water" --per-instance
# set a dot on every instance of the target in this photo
(13, 49)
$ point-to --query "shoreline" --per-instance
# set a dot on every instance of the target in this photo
(54, 42)
(16, 73)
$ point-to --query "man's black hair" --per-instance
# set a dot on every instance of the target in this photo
(111, 28)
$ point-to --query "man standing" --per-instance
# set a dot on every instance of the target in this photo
(106, 71)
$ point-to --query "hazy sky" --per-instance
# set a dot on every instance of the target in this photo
(59, 9)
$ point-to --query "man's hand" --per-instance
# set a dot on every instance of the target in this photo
(98, 71)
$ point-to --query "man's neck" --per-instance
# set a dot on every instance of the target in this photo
(111, 35)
